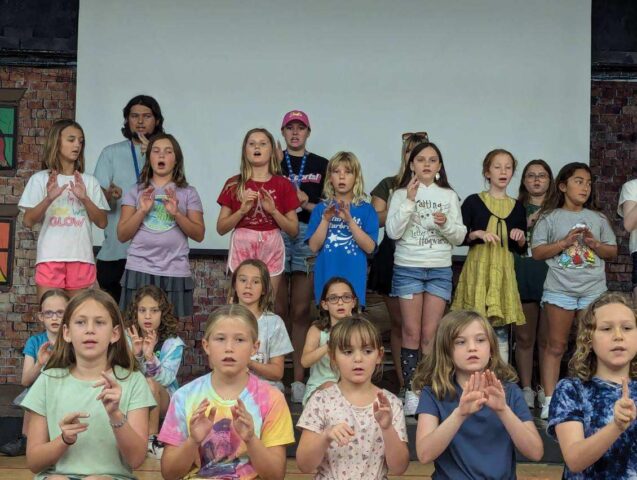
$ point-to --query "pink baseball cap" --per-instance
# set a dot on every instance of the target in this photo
(295, 115)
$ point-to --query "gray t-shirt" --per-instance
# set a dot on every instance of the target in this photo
(577, 271)
(115, 165)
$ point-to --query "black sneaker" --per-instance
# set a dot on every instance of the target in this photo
(16, 447)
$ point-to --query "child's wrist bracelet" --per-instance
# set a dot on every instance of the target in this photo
(64, 440)
(119, 424)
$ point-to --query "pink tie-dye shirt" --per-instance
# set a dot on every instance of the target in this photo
(223, 454)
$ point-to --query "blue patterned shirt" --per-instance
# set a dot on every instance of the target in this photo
(591, 403)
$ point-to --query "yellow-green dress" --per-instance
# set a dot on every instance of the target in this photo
(487, 283)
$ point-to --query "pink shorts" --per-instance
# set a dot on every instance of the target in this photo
(266, 246)
(66, 275)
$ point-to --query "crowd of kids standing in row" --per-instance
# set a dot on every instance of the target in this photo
(302, 229)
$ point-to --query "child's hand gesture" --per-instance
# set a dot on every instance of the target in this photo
(242, 421)
(440, 218)
(267, 201)
(302, 196)
(71, 426)
(382, 411)
(412, 188)
(472, 398)
(343, 212)
(330, 211)
(487, 237)
(171, 202)
(249, 197)
(77, 186)
(147, 199)
(341, 434)
(44, 353)
(589, 239)
(110, 394)
(517, 235)
(53, 190)
(136, 340)
(113, 192)
(625, 411)
(200, 423)
(148, 345)
(495, 396)
(571, 238)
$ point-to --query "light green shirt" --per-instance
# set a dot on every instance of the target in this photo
(57, 393)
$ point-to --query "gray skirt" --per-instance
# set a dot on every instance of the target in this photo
(178, 290)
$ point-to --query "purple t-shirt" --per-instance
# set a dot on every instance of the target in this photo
(160, 247)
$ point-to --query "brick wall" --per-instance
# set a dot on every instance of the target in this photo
(614, 159)
(50, 95)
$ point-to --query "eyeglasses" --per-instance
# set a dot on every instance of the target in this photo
(152, 311)
(536, 176)
(333, 299)
(419, 136)
(48, 314)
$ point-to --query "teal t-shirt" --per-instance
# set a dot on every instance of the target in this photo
(57, 393)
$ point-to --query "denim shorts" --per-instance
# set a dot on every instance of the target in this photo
(298, 256)
(568, 302)
(408, 281)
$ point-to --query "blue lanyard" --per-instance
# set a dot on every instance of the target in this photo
(132, 151)
(296, 179)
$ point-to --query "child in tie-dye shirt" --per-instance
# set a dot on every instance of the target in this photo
(228, 423)
(158, 350)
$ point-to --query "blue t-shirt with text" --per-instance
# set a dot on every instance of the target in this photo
(340, 255)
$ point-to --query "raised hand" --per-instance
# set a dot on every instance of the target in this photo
(200, 423)
(77, 186)
(278, 151)
(71, 426)
(171, 202)
(492, 387)
(136, 340)
(341, 433)
(242, 421)
(382, 411)
(143, 142)
(113, 192)
(330, 211)
(53, 190)
(624, 412)
(111, 393)
(412, 188)
(343, 212)
(148, 344)
(44, 353)
(440, 218)
(517, 235)
(249, 197)
(147, 199)
(267, 201)
(472, 399)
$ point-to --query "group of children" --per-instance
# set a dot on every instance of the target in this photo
(546, 248)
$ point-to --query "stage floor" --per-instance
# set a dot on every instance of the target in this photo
(15, 469)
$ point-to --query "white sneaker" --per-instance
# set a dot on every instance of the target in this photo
(411, 403)
(155, 448)
(545, 408)
(529, 397)
(298, 392)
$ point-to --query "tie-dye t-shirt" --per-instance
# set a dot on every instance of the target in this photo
(591, 404)
(270, 414)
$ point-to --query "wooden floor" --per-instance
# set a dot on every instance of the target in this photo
(15, 469)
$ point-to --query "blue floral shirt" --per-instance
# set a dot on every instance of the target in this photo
(591, 403)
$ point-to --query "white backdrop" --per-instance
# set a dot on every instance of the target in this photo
(475, 75)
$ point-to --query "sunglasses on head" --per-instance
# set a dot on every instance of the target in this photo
(420, 136)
